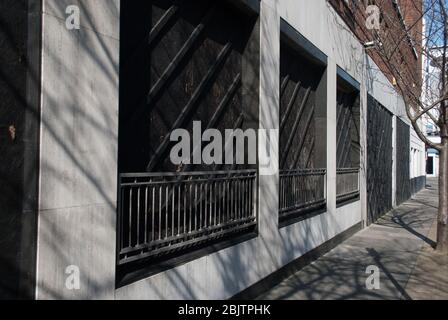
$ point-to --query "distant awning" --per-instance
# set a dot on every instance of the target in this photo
(433, 151)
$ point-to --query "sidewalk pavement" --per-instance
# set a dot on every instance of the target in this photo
(399, 244)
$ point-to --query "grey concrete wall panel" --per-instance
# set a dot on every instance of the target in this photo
(79, 130)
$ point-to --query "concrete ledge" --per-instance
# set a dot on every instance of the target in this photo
(342, 203)
(286, 271)
(127, 275)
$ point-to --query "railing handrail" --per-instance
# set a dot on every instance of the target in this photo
(190, 173)
(303, 171)
(348, 170)
(194, 181)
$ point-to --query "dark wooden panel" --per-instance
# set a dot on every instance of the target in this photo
(300, 80)
(19, 139)
(417, 184)
(348, 147)
(403, 191)
(379, 160)
(183, 61)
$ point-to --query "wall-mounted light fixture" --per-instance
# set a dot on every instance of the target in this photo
(372, 44)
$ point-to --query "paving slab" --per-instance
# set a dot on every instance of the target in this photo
(400, 244)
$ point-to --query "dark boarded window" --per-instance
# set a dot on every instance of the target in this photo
(403, 191)
(303, 105)
(348, 147)
(347, 139)
(300, 82)
(379, 160)
(183, 61)
(19, 132)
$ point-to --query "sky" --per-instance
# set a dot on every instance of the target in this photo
(434, 21)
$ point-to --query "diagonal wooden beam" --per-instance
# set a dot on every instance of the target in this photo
(338, 119)
(163, 21)
(308, 159)
(342, 135)
(238, 125)
(341, 131)
(191, 103)
(350, 143)
(225, 101)
(293, 131)
(342, 156)
(341, 103)
(188, 45)
(291, 104)
(172, 67)
(284, 84)
(302, 142)
(297, 156)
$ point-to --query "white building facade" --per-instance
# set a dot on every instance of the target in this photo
(78, 185)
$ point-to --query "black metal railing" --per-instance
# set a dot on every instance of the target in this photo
(347, 184)
(163, 213)
(301, 191)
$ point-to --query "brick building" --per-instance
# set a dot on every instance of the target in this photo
(401, 23)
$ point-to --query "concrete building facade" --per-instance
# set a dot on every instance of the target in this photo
(431, 85)
(78, 185)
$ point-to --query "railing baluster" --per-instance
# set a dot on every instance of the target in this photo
(191, 204)
(229, 202)
(121, 206)
(173, 210)
(212, 190)
(146, 215)
(130, 218)
(195, 207)
(138, 216)
(178, 208)
(160, 213)
(153, 213)
(166, 211)
(238, 199)
(244, 195)
(220, 203)
(201, 185)
(185, 209)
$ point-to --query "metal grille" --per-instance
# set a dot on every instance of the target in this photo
(379, 160)
(163, 213)
(404, 191)
(417, 184)
(301, 191)
(347, 184)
